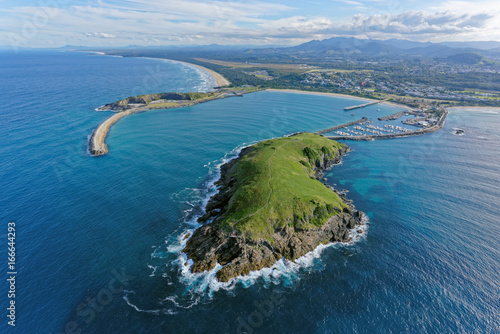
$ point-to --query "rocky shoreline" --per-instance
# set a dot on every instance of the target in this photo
(239, 255)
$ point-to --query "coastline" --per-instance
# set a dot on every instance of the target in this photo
(221, 81)
(97, 145)
(365, 99)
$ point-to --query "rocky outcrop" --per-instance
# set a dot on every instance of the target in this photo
(210, 244)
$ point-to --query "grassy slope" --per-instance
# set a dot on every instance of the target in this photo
(181, 97)
(297, 198)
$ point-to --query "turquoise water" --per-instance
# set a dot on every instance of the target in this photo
(428, 261)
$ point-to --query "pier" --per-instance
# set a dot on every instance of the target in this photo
(364, 105)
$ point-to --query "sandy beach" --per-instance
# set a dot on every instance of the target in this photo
(337, 95)
(221, 81)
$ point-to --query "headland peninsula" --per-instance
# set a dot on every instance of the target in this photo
(142, 103)
(271, 205)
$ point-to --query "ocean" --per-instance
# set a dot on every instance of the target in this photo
(98, 239)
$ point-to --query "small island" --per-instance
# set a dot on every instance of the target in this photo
(271, 205)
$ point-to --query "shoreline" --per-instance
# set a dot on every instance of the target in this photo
(97, 145)
(206, 245)
(219, 79)
(365, 99)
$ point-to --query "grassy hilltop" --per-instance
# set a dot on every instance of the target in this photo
(276, 186)
(271, 205)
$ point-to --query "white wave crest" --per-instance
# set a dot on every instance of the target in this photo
(195, 287)
(135, 307)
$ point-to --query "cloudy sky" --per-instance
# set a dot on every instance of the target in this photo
(54, 23)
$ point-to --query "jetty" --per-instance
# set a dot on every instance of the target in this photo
(364, 119)
(364, 105)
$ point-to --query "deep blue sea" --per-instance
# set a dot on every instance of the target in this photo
(98, 240)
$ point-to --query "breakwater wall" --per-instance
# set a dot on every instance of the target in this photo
(364, 119)
(393, 116)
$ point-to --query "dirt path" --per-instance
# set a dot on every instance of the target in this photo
(269, 184)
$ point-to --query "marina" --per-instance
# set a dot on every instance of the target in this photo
(366, 129)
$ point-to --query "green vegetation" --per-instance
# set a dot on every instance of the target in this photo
(276, 186)
(418, 80)
(148, 98)
(174, 100)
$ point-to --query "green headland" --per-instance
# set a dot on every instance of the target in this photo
(276, 186)
(271, 205)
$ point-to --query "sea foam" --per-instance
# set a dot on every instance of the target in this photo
(189, 289)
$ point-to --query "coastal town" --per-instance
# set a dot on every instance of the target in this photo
(369, 83)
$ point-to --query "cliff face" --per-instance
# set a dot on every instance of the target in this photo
(240, 252)
(209, 245)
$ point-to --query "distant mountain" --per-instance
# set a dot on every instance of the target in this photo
(179, 47)
(480, 45)
(405, 44)
(468, 58)
(434, 50)
(386, 49)
(345, 45)
(76, 47)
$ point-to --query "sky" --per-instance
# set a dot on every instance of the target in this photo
(55, 23)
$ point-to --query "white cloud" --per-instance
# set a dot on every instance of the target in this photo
(350, 2)
(100, 35)
(467, 6)
(407, 25)
(150, 22)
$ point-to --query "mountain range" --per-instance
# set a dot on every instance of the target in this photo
(339, 48)
(343, 47)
